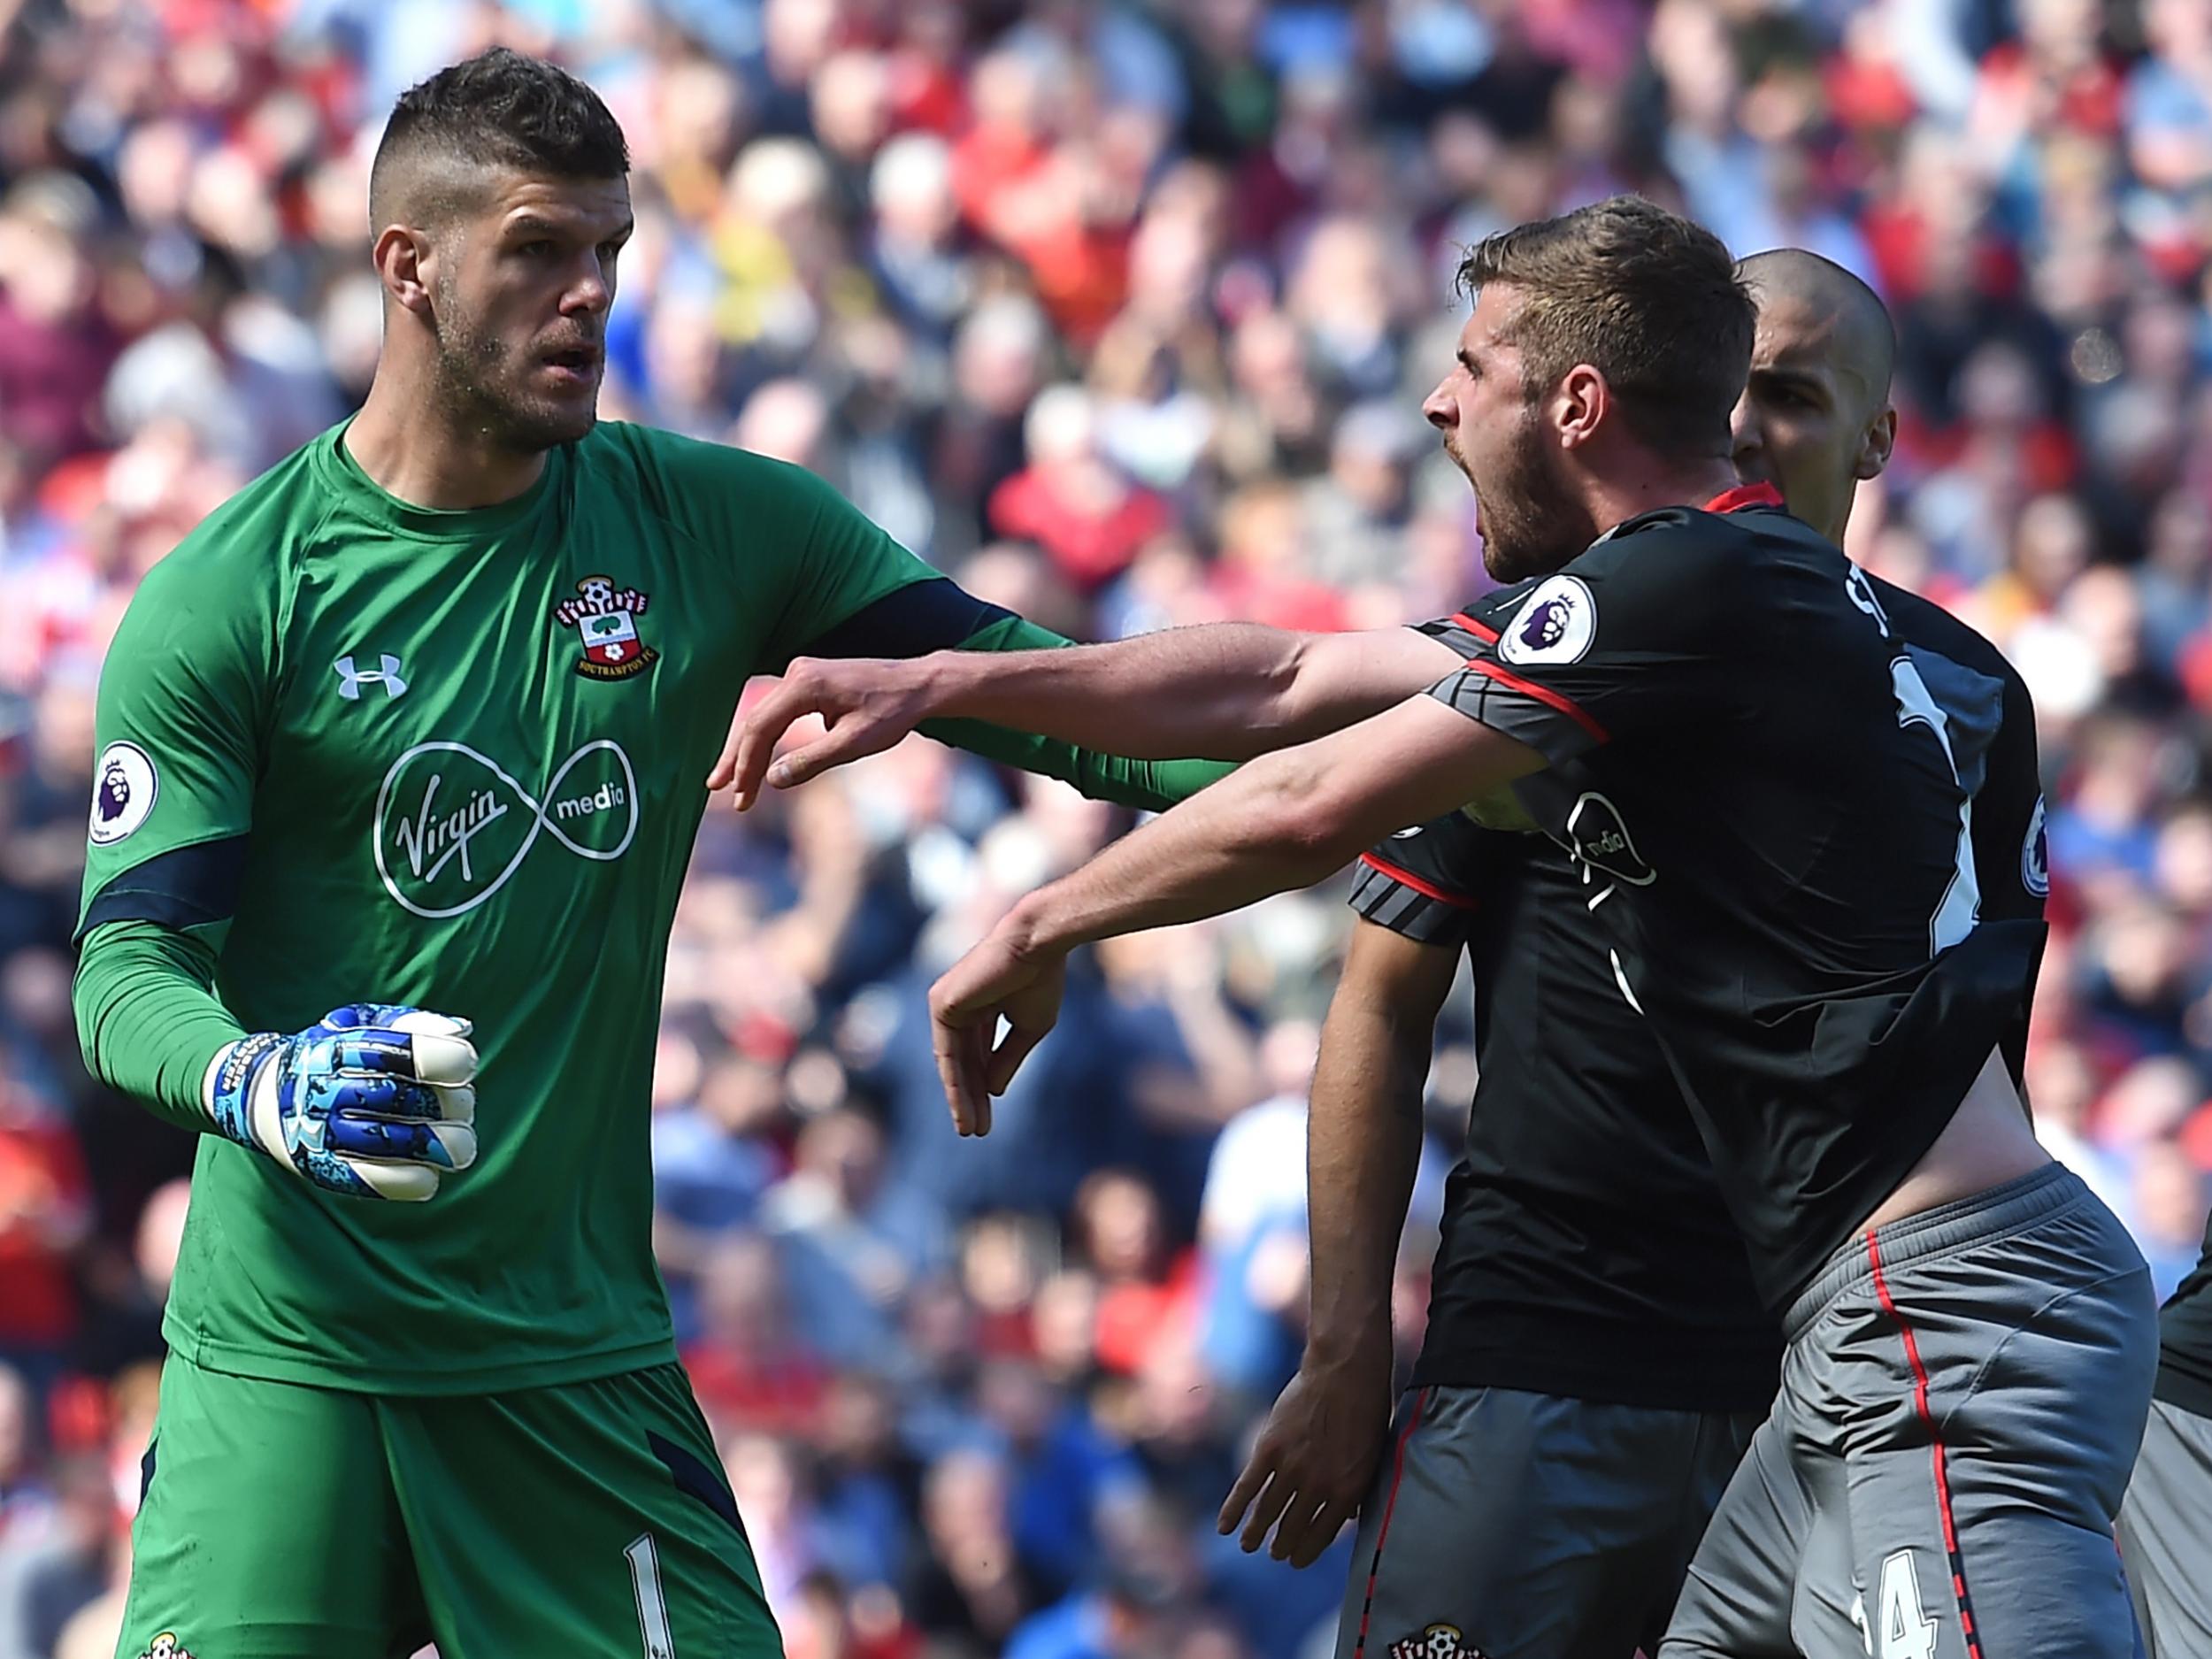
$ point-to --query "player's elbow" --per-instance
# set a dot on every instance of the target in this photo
(84, 1008)
(1304, 821)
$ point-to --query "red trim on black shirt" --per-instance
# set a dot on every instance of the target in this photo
(1745, 496)
(1542, 694)
(1428, 889)
(1482, 631)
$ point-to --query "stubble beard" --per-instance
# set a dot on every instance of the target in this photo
(474, 391)
(1530, 525)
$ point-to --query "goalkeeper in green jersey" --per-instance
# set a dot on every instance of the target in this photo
(401, 757)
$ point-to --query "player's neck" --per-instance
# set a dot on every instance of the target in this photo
(417, 452)
(1616, 500)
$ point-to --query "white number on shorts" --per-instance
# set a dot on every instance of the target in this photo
(652, 1605)
(1907, 1631)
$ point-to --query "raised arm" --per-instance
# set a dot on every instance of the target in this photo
(1227, 691)
(1282, 822)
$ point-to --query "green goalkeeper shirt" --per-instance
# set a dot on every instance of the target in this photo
(356, 750)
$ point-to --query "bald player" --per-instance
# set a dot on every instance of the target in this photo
(1815, 421)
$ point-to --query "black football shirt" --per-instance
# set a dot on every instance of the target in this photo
(1768, 769)
(1585, 1250)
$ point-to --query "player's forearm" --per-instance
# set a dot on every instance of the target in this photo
(1281, 822)
(147, 1020)
(1239, 843)
(1362, 1149)
(1152, 784)
(1227, 691)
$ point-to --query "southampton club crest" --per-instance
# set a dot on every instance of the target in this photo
(1436, 1642)
(606, 617)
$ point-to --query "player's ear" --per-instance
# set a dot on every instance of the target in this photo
(1580, 403)
(404, 257)
(1875, 445)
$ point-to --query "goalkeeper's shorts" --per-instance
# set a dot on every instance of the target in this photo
(284, 1522)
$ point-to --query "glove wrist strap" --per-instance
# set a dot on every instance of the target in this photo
(231, 1096)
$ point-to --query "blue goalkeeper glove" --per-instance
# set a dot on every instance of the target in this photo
(374, 1100)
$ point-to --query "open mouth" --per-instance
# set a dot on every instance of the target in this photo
(577, 361)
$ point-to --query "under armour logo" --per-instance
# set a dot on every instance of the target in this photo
(351, 680)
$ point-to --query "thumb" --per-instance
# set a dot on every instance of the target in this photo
(404, 1183)
(1014, 1048)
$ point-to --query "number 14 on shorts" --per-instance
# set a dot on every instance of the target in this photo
(1905, 1629)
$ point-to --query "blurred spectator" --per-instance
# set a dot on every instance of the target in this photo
(47, 1578)
(1064, 1467)
(45, 1212)
(747, 1365)
(827, 1621)
(1252, 1228)
(2169, 1213)
(972, 1590)
(710, 1167)
(1121, 1619)
(853, 1239)
(1145, 1292)
(25, 1499)
(789, 1543)
(1069, 499)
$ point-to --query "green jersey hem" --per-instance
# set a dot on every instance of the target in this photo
(210, 1354)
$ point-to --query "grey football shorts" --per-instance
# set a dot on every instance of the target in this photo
(1506, 1524)
(2166, 1533)
(1962, 1401)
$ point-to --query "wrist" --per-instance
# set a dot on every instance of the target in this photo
(939, 681)
(1360, 1345)
(1030, 932)
(228, 1088)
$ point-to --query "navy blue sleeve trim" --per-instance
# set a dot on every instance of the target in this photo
(187, 887)
(936, 615)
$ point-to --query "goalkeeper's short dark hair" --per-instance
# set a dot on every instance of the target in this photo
(499, 109)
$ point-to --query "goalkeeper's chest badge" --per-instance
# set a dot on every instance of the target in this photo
(1436, 1641)
(606, 617)
(165, 1645)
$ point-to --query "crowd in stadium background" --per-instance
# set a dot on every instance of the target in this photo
(1121, 313)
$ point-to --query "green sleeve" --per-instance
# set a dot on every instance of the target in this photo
(852, 562)
(181, 711)
(802, 558)
(182, 708)
(1154, 785)
(819, 563)
(147, 1019)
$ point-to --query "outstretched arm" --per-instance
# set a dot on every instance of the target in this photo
(1284, 821)
(1104, 771)
(1226, 690)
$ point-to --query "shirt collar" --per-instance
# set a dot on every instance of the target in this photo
(1745, 496)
